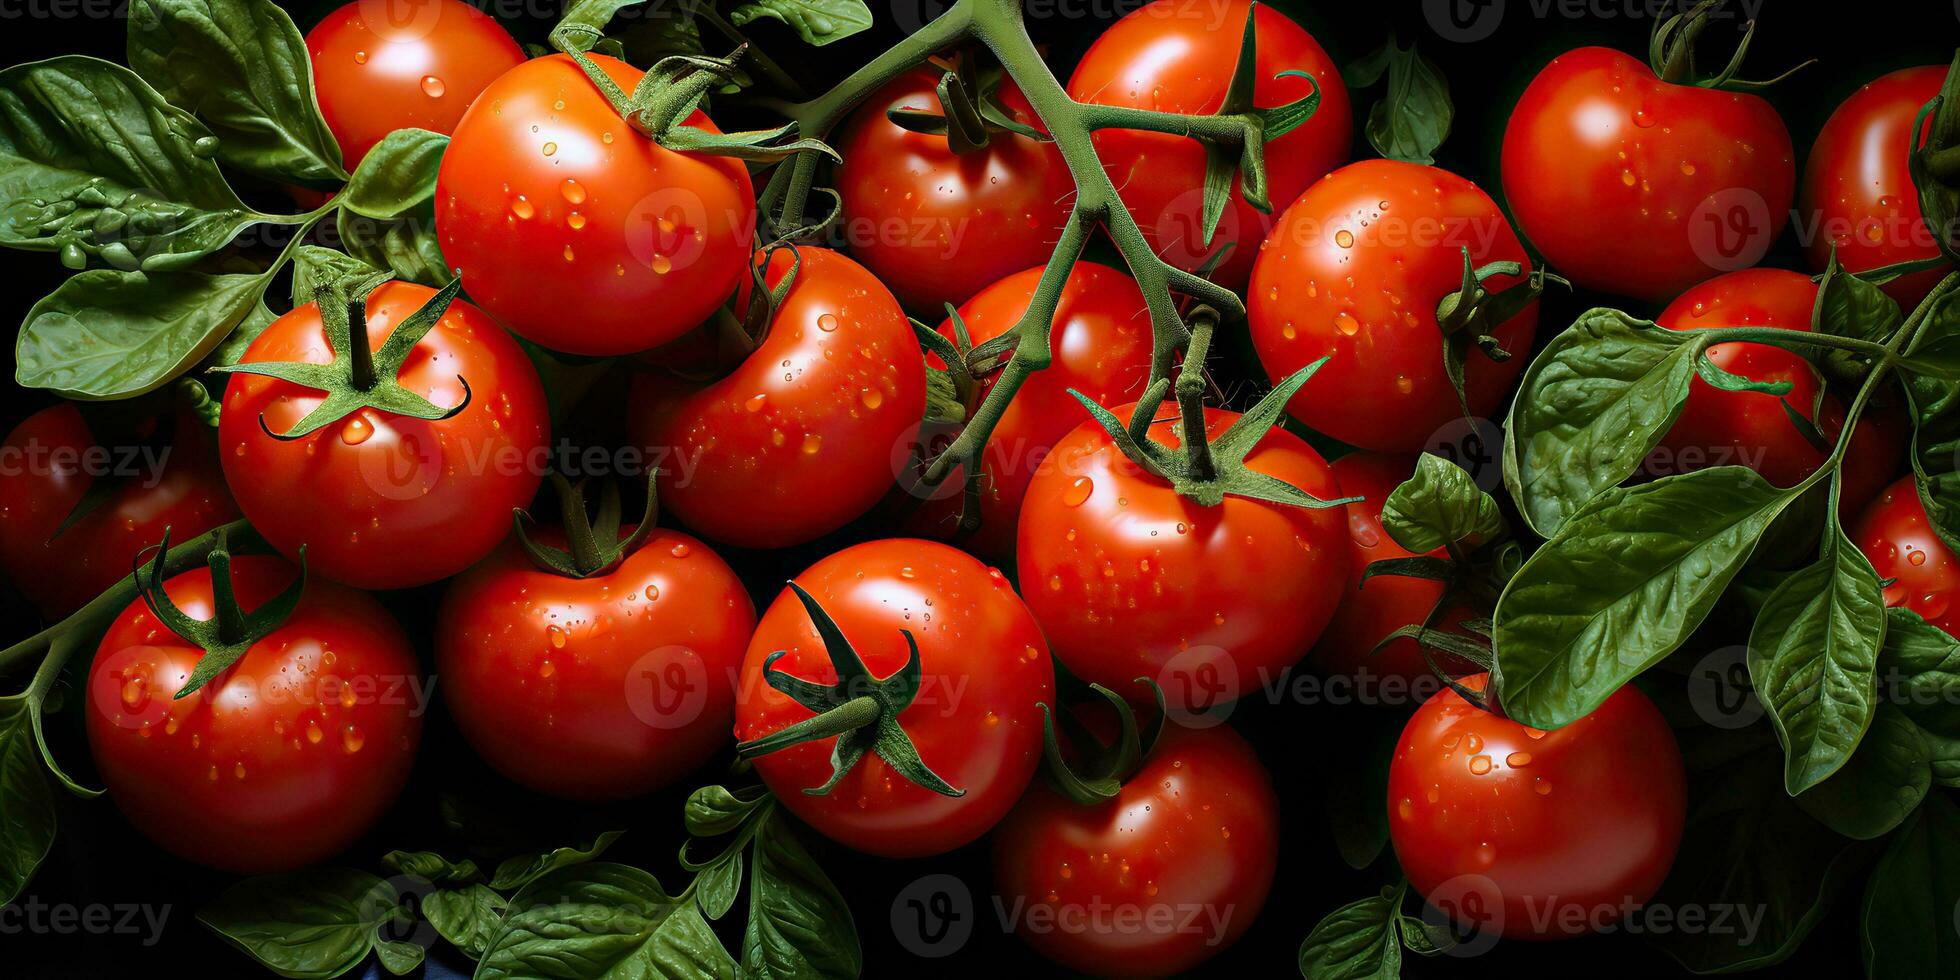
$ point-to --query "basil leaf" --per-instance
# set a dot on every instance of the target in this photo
(1358, 940)
(1848, 306)
(467, 918)
(27, 815)
(1590, 409)
(817, 22)
(1880, 785)
(1439, 505)
(1413, 117)
(1920, 672)
(398, 956)
(432, 866)
(719, 884)
(1621, 586)
(603, 920)
(405, 245)
(799, 925)
(1813, 659)
(243, 68)
(715, 810)
(105, 334)
(519, 871)
(1911, 897)
(306, 924)
(94, 163)
(314, 267)
(398, 174)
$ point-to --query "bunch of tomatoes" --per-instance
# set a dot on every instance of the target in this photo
(1035, 653)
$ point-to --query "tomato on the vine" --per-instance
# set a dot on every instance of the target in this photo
(577, 232)
(1169, 56)
(1101, 340)
(1858, 189)
(403, 64)
(1905, 551)
(1536, 834)
(1370, 611)
(382, 500)
(1129, 579)
(972, 720)
(938, 226)
(1633, 185)
(54, 460)
(800, 437)
(1195, 829)
(282, 759)
(1356, 269)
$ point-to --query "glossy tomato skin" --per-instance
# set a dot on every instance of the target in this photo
(279, 762)
(384, 501)
(49, 470)
(403, 64)
(1197, 827)
(1858, 188)
(603, 687)
(1174, 57)
(1631, 185)
(1101, 341)
(1130, 580)
(575, 231)
(1536, 824)
(1896, 535)
(974, 722)
(1388, 602)
(938, 226)
(1355, 269)
(801, 437)
(1717, 428)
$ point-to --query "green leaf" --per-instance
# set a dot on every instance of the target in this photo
(1881, 784)
(1356, 786)
(719, 884)
(243, 68)
(398, 956)
(467, 918)
(1439, 505)
(1920, 672)
(1626, 580)
(516, 872)
(799, 925)
(715, 810)
(817, 22)
(1935, 408)
(405, 245)
(1590, 409)
(1813, 659)
(395, 176)
(27, 815)
(314, 267)
(95, 164)
(1911, 898)
(1356, 941)
(603, 920)
(1413, 117)
(432, 866)
(1848, 306)
(306, 924)
(105, 334)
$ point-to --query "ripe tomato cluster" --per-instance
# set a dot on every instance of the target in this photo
(975, 639)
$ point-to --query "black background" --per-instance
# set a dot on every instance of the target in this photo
(98, 858)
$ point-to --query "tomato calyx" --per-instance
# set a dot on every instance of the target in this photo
(860, 711)
(359, 377)
(231, 631)
(1104, 767)
(970, 112)
(1935, 163)
(1471, 315)
(1256, 127)
(1671, 51)
(596, 546)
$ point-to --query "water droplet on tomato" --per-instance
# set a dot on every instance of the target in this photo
(433, 87)
(357, 430)
(351, 739)
(1078, 491)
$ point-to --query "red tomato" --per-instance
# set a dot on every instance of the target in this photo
(1101, 342)
(280, 761)
(1355, 269)
(602, 687)
(1112, 889)
(384, 501)
(1388, 602)
(575, 231)
(1896, 536)
(800, 439)
(48, 464)
(1131, 580)
(1534, 834)
(403, 64)
(937, 226)
(1743, 428)
(1172, 56)
(974, 720)
(1857, 187)
(1632, 185)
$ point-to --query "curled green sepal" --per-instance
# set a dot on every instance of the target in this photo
(358, 377)
(1247, 160)
(231, 631)
(595, 545)
(966, 119)
(860, 711)
(1104, 767)
(1671, 51)
(1935, 163)
(1471, 315)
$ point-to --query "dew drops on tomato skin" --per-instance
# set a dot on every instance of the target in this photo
(433, 87)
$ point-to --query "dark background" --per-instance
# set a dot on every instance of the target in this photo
(99, 859)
